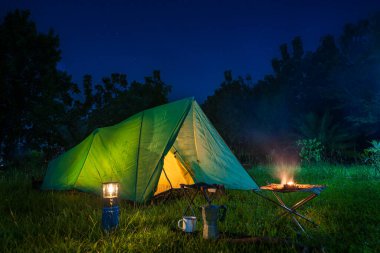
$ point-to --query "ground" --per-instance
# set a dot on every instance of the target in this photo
(347, 212)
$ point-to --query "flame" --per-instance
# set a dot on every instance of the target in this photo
(111, 189)
(285, 172)
(286, 176)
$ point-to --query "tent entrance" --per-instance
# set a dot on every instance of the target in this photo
(173, 174)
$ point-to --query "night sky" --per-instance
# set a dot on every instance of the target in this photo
(191, 42)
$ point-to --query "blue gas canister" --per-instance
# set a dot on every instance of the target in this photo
(110, 218)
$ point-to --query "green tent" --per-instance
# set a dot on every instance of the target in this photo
(151, 152)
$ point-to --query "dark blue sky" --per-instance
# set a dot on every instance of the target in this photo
(191, 42)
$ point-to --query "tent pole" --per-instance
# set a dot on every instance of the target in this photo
(167, 178)
(185, 165)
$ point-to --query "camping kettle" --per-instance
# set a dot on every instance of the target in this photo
(211, 214)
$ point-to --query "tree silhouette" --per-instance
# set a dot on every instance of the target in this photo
(110, 102)
(331, 94)
(34, 94)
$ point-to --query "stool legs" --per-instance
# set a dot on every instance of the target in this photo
(292, 210)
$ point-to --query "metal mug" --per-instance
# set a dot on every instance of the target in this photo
(187, 224)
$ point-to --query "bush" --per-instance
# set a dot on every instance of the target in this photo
(311, 150)
(31, 161)
(372, 155)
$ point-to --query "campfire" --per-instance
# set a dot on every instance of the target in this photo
(291, 186)
(285, 172)
(288, 185)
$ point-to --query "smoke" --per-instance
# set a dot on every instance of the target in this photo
(285, 168)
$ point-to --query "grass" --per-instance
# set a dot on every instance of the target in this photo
(348, 212)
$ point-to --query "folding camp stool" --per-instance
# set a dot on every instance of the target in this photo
(314, 191)
(208, 191)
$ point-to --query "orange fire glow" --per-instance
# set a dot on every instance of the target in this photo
(286, 177)
(286, 173)
(290, 183)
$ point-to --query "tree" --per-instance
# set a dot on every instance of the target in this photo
(358, 79)
(228, 108)
(112, 101)
(34, 94)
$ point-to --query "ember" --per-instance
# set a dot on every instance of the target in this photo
(289, 184)
(291, 187)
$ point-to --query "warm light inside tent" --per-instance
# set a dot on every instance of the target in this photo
(110, 190)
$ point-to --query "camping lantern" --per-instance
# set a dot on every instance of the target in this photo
(110, 193)
(110, 216)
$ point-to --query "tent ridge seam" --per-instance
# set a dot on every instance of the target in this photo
(138, 154)
(195, 137)
(85, 160)
(110, 155)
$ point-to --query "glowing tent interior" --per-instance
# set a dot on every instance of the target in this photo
(149, 153)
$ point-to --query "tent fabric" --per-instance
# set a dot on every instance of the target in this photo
(149, 153)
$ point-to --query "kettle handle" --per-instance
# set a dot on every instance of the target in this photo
(223, 217)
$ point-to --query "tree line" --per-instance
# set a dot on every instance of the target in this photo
(330, 95)
(42, 109)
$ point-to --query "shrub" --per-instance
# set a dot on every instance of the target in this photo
(372, 155)
(31, 161)
(311, 150)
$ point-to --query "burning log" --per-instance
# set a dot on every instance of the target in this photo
(292, 187)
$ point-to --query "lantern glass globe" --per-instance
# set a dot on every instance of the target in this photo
(110, 190)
